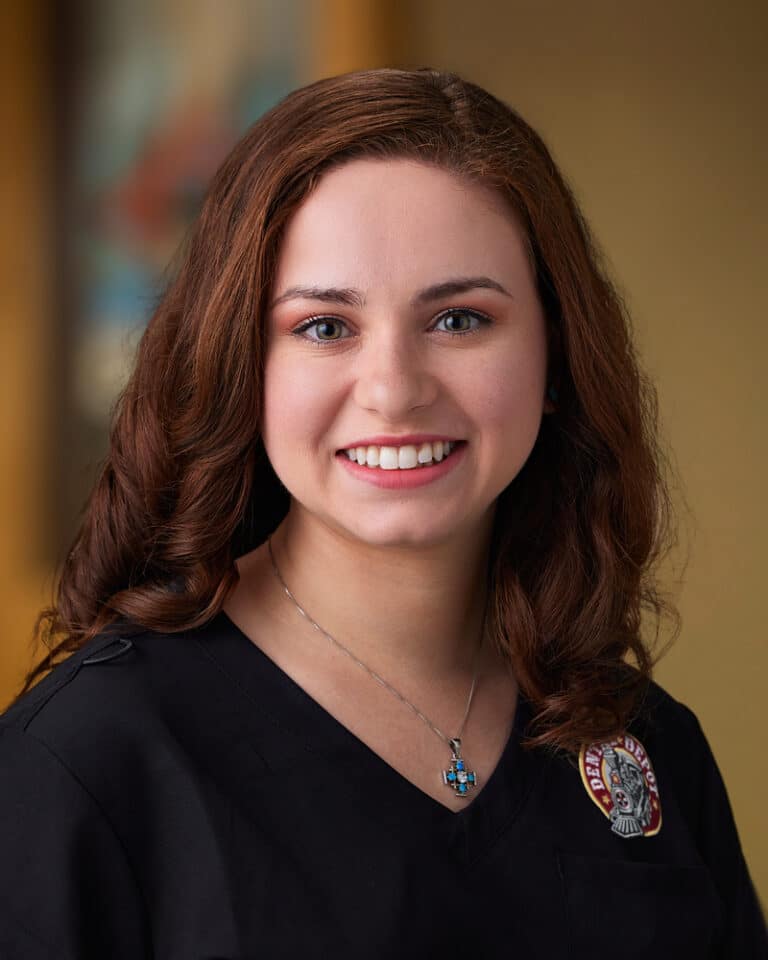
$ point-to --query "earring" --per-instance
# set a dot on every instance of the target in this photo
(552, 393)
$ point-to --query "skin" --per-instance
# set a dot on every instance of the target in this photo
(397, 576)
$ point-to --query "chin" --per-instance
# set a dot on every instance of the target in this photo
(393, 534)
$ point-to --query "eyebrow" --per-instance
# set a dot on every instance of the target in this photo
(348, 297)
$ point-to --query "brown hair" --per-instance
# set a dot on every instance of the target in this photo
(186, 487)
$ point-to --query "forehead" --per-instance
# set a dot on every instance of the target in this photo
(398, 221)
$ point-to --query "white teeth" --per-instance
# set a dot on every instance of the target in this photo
(406, 457)
(388, 459)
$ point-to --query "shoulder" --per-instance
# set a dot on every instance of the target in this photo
(108, 666)
(670, 731)
(138, 714)
(662, 724)
(104, 701)
(664, 720)
(47, 692)
(61, 747)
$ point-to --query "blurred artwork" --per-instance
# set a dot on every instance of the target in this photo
(153, 95)
(165, 88)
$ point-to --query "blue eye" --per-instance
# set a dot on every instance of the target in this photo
(323, 325)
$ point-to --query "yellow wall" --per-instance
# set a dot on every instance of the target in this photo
(655, 113)
(25, 316)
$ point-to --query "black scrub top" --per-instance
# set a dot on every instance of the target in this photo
(180, 797)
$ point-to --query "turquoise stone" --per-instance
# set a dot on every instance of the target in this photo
(458, 777)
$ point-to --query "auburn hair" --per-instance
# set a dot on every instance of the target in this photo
(186, 486)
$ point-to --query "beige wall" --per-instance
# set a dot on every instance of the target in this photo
(655, 114)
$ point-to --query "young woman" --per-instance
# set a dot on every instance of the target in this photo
(353, 619)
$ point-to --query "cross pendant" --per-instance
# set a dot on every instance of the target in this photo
(458, 778)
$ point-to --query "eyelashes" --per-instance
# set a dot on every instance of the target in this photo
(329, 321)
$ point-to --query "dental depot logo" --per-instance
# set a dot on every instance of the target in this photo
(619, 777)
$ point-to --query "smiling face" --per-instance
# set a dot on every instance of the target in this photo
(427, 324)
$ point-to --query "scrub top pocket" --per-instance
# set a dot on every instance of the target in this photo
(639, 910)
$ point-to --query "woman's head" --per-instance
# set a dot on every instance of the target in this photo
(581, 507)
(404, 310)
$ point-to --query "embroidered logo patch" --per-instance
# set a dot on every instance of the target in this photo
(618, 775)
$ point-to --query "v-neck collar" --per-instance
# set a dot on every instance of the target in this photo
(467, 832)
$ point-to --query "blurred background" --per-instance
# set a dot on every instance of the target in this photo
(116, 115)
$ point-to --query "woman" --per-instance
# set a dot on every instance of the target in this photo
(350, 609)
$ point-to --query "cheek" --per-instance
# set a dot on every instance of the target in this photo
(510, 393)
(296, 405)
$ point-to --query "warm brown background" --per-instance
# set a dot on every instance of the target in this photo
(655, 113)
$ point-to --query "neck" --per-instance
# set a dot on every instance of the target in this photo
(400, 609)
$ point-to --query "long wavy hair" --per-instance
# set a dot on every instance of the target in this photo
(186, 487)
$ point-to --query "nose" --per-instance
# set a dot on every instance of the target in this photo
(392, 377)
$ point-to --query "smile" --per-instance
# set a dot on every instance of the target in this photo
(407, 457)
(397, 478)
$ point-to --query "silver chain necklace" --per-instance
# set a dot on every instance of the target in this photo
(458, 777)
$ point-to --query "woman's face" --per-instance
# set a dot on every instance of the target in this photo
(427, 324)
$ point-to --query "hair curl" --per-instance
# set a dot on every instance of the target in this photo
(186, 487)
